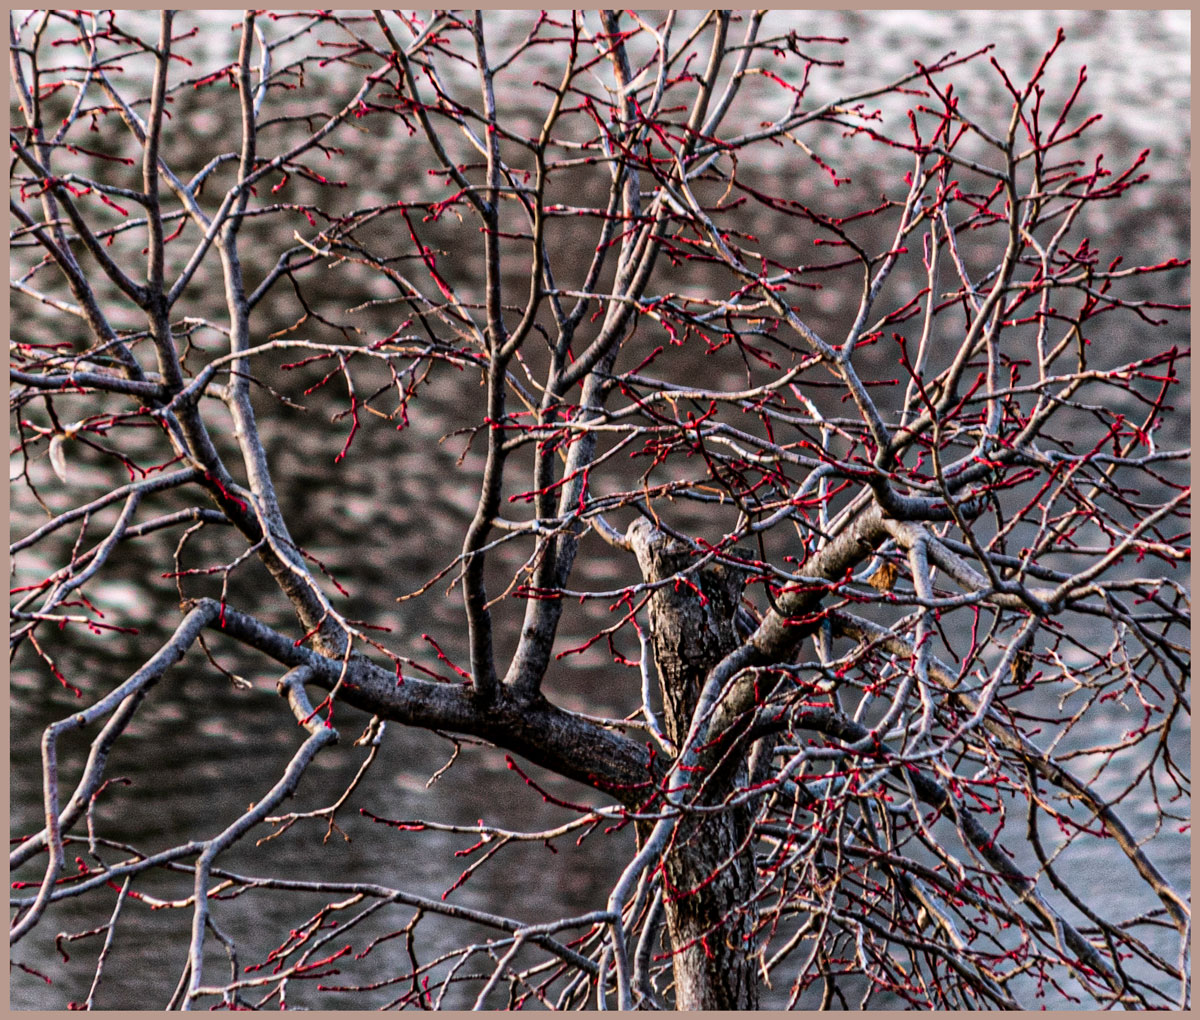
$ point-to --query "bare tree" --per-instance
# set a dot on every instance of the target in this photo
(875, 572)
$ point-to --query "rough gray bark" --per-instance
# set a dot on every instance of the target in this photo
(709, 868)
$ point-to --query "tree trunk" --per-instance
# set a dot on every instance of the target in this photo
(709, 867)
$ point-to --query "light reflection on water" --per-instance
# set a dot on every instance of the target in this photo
(387, 518)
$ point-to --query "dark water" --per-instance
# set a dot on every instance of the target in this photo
(383, 521)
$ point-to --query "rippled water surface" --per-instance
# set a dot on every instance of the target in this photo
(390, 516)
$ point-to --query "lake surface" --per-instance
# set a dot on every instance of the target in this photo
(385, 520)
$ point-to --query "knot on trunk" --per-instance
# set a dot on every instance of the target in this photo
(692, 619)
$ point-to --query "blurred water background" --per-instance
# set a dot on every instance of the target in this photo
(394, 512)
